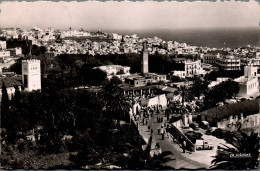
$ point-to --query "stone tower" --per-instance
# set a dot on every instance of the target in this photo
(31, 74)
(144, 66)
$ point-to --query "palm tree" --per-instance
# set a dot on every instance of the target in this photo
(158, 161)
(228, 157)
(141, 159)
(120, 107)
(116, 104)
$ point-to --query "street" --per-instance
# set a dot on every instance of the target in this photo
(181, 160)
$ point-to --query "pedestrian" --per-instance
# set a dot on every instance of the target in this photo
(146, 122)
(151, 131)
(184, 146)
(162, 136)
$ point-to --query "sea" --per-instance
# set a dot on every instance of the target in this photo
(213, 38)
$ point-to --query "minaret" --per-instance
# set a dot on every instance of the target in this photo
(31, 74)
(144, 61)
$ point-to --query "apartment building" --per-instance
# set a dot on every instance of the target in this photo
(210, 58)
(229, 63)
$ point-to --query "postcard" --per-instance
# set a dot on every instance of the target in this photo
(130, 85)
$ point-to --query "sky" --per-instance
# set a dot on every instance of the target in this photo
(130, 15)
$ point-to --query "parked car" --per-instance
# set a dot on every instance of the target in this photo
(219, 133)
(193, 136)
(194, 126)
(204, 124)
(208, 132)
(243, 99)
(203, 145)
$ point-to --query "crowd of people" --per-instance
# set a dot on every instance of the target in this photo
(163, 129)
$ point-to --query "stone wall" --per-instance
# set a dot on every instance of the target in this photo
(233, 123)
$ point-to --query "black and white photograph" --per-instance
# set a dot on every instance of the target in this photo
(130, 85)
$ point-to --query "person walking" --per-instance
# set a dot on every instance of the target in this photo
(162, 136)
(151, 131)
(167, 133)
(184, 146)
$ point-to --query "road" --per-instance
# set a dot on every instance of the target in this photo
(180, 161)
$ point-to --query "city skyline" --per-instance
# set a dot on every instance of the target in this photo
(130, 15)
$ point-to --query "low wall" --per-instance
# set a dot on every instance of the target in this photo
(179, 136)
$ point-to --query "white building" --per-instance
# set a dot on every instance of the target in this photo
(3, 45)
(248, 83)
(188, 67)
(4, 53)
(31, 74)
(157, 77)
(115, 70)
(15, 51)
(10, 83)
(157, 100)
(180, 74)
(218, 81)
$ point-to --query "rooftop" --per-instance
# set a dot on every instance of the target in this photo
(31, 60)
(111, 66)
(246, 107)
(243, 79)
(11, 81)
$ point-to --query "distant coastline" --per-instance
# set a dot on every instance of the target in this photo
(213, 38)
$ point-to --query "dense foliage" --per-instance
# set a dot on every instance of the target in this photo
(221, 92)
(77, 125)
(229, 157)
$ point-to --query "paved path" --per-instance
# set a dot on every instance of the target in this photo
(167, 144)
